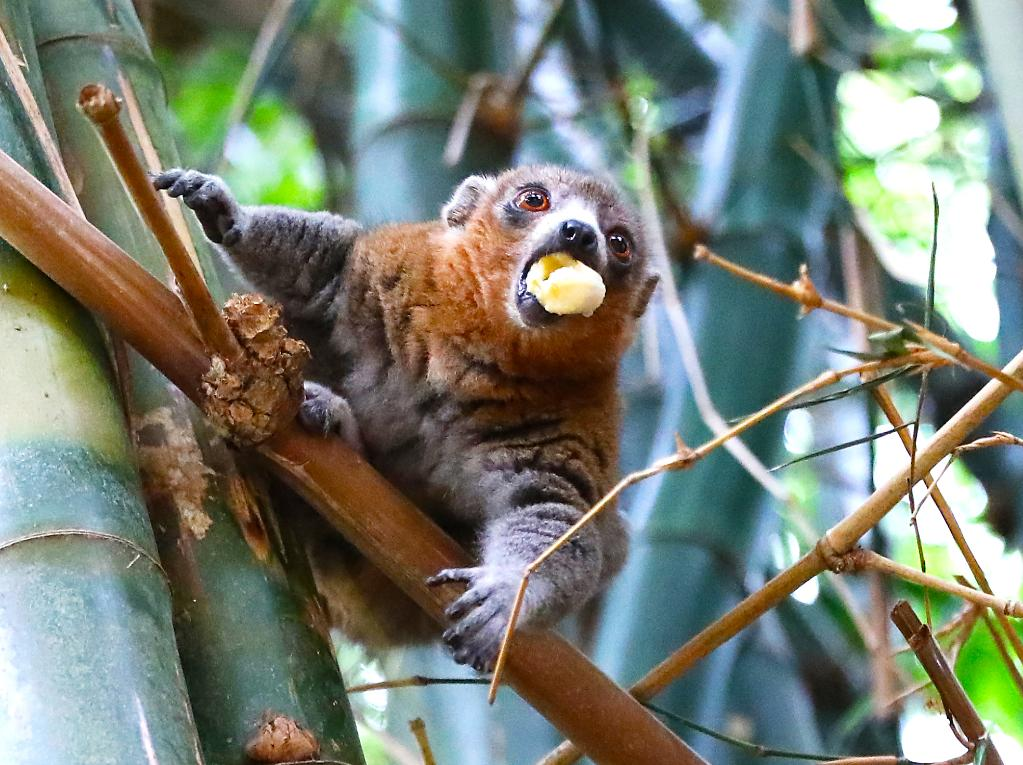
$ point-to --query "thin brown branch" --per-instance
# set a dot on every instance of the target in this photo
(518, 82)
(860, 559)
(418, 728)
(838, 540)
(957, 704)
(152, 160)
(891, 412)
(402, 542)
(102, 107)
(269, 31)
(416, 681)
(1003, 651)
(804, 292)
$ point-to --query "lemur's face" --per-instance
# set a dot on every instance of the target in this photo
(563, 247)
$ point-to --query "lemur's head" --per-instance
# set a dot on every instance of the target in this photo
(562, 254)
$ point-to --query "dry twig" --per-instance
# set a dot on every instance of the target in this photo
(418, 728)
(954, 699)
(803, 291)
(861, 559)
(102, 107)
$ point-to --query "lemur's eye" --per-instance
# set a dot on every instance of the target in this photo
(533, 200)
(620, 246)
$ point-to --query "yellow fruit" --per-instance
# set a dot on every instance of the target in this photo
(564, 286)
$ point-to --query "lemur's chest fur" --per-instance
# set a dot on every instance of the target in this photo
(441, 412)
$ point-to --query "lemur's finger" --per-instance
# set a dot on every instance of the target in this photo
(187, 184)
(167, 178)
(449, 575)
(472, 598)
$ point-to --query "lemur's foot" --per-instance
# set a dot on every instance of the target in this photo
(481, 613)
(211, 200)
(326, 413)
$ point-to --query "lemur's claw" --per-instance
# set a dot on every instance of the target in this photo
(209, 197)
(481, 613)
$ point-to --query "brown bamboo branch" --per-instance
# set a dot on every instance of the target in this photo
(861, 559)
(957, 704)
(418, 728)
(804, 292)
(840, 539)
(608, 724)
(891, 412)
(103, 108)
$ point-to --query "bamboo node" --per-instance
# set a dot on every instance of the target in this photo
(834, 560)
(248, 400)
(281, 739)
(806, 291)
(99, 103)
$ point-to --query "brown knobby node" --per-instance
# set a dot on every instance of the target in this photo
(809, 297)
(249, 399)
(281, 739)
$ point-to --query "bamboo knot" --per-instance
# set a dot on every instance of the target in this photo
(99, 103)
(806, 292)
(834, 560)
(281, 739)
(249, 399)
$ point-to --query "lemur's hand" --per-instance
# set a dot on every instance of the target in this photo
(326, 413)
(214, 206)
(481, 612)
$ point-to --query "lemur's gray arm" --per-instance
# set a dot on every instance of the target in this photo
(528, 510)
(296, 257)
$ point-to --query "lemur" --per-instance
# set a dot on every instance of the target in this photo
(445, 353)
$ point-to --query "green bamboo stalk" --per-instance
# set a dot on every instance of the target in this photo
(249, 626)
(399, 131)
(999, 26)
(89, 672)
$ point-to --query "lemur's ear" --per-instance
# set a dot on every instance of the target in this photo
(462, 203)
(646, 291)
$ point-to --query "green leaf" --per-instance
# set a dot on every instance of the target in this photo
(845, 445)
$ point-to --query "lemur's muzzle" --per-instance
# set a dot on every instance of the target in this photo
(580, 241)
(563, 276)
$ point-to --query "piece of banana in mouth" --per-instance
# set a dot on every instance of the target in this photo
(565, 286)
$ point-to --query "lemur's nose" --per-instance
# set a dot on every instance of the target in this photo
(579, 235)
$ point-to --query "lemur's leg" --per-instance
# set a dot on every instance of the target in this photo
(324, 411)
(295, 257)
(530, 510)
